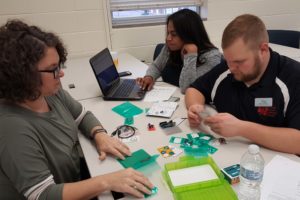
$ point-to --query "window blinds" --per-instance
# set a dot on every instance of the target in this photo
(119, 5)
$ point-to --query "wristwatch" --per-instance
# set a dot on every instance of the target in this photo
(98, 130)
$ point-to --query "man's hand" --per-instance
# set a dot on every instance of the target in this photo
(146, 83)
(106, 144)
(193, 115)
(224, 124)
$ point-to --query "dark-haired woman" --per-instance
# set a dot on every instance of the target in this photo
(187, 54)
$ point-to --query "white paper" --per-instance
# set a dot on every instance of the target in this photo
(190, 175)
(281, 180)
(162, 109)
(159, 93)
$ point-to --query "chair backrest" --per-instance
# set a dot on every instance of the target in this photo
(157, 50)
(285, 37)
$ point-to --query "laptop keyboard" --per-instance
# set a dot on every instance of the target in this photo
(125, 88)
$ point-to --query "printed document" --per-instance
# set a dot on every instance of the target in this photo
(159, 93)
(281, 180)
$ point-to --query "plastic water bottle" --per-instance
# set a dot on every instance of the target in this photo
(251, 174)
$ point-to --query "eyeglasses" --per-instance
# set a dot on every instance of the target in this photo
(124, 131)
(55, 71)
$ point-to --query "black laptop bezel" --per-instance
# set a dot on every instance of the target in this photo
(92, 60)
(108, 94)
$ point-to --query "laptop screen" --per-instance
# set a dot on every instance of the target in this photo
(105, 70)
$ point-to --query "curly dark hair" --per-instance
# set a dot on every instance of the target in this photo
(22, 47)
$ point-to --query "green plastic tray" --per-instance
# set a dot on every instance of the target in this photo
(218, 189)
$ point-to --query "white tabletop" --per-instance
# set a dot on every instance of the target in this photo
(293, 53)
(227, 154)
(86, 89)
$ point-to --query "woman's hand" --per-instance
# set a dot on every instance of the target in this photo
(106, 144)
(128, 181)
(189, 48)
(146, 83)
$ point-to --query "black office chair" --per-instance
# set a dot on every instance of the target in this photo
(157, 50)
(285, 37)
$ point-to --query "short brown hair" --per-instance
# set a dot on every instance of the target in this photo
(248, 27)
(22, 47)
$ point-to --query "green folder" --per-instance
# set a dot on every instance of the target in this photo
(138, 159)
(127, 110)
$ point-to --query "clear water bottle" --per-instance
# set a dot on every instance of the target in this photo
(251, 174)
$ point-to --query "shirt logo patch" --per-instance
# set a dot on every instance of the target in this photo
(267, 111)
(263, 102)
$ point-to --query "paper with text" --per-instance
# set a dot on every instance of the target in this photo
(281, 180)
(159, 93)
(162, 109)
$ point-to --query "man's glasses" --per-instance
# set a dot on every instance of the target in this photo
(55, 71)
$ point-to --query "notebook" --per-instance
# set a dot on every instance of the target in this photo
(111, 85)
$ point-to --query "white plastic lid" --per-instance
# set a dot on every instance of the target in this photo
(253, 149)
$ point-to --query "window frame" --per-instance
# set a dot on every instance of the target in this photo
(200, 8)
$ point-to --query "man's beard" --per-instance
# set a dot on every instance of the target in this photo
(255, 73)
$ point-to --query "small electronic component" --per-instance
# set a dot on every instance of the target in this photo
(71, 86)
(174, 99)
(153, 192)
(232, 173)
(167, 124)
(151, 127)
(126, 73)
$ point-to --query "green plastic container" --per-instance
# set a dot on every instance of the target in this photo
(218, 189)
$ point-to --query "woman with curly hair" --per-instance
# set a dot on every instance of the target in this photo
(39, 122)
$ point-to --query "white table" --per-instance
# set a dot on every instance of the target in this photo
(80, 74)
(88, 92)
(293, 53)
(226, 155)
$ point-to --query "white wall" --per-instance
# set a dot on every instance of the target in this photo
(80, 23)
(84, 24)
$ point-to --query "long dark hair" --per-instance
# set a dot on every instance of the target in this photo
(22, 47)
(190, 28)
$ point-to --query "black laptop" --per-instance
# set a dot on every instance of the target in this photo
(112, 86)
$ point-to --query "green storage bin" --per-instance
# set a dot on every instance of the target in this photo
(217, 189)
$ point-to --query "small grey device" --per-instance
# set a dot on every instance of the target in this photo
(125, 73)
(174, 99)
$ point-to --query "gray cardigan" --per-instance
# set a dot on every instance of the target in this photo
(190, 72)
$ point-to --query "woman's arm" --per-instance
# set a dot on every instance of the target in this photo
(155, 68)
(88, 124)
(126, 181)
(190, 71)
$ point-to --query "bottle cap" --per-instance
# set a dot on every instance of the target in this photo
(253, 149)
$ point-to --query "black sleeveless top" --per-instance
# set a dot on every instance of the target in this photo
(171, 72)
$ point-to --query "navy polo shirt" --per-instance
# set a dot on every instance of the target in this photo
(277, 94)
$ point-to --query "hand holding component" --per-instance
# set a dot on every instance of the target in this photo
(224, 124)
(193, 115)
